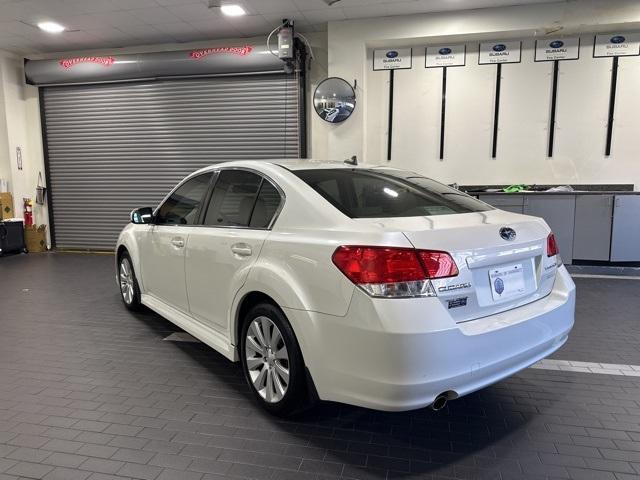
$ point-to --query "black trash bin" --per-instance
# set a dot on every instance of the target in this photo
(12, 237)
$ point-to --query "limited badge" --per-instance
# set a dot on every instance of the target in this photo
(458, 302)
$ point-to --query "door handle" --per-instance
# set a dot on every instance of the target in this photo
(241, 249)
(177, 242)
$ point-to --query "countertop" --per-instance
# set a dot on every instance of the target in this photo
(603, 192)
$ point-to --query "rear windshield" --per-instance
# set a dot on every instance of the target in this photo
(373, 193)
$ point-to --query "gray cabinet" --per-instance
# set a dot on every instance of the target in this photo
(625, 237)
(592, 232)
(509, 202)
(559, 212)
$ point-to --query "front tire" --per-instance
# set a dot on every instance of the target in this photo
(129, 289)
(272, 361)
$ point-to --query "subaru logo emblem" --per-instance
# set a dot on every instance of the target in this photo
(498, 286)
(444, 51)
(508, 234)
(392, 54)
(556, 44)
(499, 47)
(618, 39)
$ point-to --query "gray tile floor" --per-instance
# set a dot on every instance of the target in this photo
(91, 391)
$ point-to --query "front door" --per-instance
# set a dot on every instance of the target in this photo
(221, 253)
(163, 250)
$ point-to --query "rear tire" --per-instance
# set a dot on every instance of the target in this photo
(272, 361)
(129, 289)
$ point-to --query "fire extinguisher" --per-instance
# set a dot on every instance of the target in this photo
(28, 212)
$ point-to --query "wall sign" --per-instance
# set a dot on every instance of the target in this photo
(549, 50)
(392, 59)
(445, 56)
(617, 45)
(500, 52)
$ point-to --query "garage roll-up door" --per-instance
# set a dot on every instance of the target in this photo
(115, 147)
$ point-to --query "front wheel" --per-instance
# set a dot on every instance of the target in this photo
(272, 361)
(129, 289)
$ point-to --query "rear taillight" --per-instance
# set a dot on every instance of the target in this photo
(552, 245)
(553, 250)
(438, 264)
(394, 272)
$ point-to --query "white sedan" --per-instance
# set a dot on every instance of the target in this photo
(365, 285)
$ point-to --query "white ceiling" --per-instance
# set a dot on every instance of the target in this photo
(121, 23)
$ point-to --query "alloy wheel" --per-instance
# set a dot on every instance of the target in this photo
(126, 281)
(267, 359)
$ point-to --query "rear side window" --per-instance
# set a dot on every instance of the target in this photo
(266, 207)
(369, 193)
(183, 206)
(233, 198)
(242, 199)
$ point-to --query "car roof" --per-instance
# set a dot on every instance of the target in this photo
(293, 164)
(310, 164)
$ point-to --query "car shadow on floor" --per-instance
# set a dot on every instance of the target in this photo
(471, 437)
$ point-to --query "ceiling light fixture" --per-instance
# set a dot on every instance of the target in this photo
(232, 10)
(51, 27)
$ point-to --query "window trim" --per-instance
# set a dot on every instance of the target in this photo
(168, 196)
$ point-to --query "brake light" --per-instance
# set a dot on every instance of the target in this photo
(552, 245)
(394, 272)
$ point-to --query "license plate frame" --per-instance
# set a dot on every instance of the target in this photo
(507, 281)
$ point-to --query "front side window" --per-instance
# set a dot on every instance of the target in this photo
(242, 199)
(183, 206)
(372, 193)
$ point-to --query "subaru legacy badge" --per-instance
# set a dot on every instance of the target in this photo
(508, 234)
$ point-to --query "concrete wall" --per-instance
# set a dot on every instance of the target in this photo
(526, 93)
(20, 127)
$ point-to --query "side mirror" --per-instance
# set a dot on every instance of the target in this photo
(141, 216)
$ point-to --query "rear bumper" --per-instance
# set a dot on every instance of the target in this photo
(400, 354)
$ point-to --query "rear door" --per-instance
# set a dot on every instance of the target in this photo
(236, 222)
(162, 249)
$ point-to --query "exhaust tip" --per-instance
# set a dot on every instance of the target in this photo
(440, 402)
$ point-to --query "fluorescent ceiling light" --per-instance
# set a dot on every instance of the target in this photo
(51, 27)
(232, 10)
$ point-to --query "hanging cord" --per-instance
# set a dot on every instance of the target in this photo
(308, 44)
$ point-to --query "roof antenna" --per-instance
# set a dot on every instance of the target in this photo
(352, 161)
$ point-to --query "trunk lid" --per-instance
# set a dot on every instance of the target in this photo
(495, 274)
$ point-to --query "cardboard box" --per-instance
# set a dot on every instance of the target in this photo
(35, 238)
(6, 206)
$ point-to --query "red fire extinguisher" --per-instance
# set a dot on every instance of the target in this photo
(28, 212)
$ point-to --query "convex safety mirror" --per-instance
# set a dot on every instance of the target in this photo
(142, 215)
(334, 100)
